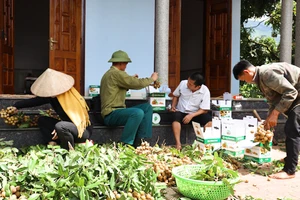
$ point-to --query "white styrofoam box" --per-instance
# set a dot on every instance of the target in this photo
(210, 134)
(233, 129)
(250, 126)
(222, 108)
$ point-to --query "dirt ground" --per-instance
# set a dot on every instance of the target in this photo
(258, 186)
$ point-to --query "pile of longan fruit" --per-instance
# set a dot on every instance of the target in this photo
(9, 116)
(263, 136)
(12, 117)
(15, 193)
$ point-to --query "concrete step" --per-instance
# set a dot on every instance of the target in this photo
(162, 134)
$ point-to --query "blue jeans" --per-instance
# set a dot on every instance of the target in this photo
(137, 122)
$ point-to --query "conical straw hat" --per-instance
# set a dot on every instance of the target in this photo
(51, 83)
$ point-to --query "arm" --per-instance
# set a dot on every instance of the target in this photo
(174, 103)
(279, 84)
(36, 101)
(132, 82)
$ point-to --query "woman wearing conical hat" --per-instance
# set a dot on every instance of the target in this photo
(56, 88)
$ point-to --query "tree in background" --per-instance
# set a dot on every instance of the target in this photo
(260, 50)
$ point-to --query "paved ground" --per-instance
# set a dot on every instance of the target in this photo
(269, 189)
(260, 187)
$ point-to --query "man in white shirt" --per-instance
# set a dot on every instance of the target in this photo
(191, 102)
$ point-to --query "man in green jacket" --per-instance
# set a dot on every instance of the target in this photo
(137, 120)
(280, 84)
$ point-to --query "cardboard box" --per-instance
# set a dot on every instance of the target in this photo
(94, 90)
(259, 154)
(157, 100)
(222, 108)
(232, 148)
(250, 127)
(233, 129)
(209, 148)
(208, 140)
(210, 134)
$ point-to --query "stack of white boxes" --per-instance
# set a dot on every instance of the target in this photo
(208, 140)
(235, 136)
(233, 132)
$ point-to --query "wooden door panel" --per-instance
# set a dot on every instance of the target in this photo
(7, 46)
(65, 30)
(218, 46)
(174, 43)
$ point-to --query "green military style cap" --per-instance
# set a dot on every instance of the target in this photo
(119, 56)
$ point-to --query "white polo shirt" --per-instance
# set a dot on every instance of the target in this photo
(190, 102)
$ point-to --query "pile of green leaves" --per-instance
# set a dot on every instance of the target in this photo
(88, 173)
(214, 170)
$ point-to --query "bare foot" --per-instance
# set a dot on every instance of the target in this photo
(282, 175)
(178, 147)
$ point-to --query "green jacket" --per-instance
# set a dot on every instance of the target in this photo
(280, 83)
(113, 87)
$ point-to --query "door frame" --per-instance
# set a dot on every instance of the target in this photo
(82, 45)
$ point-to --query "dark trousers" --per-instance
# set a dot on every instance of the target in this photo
(292, 141)
(66, 131)
(201, 119)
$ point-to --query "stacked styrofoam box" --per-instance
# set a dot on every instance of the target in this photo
(209, 139)
(222, 109)
(232, 133)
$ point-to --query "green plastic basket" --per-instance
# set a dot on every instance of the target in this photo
(196, 189)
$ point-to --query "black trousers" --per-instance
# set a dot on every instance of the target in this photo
(292, 141)
(66, 131)
(201, 119)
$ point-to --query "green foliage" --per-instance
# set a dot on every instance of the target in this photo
(88, 173)
(250, 91)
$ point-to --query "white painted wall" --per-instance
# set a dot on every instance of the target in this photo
(113, 25)
(235, 42)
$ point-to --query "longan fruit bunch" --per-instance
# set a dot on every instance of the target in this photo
(156, 84)
(9, 116)
(263, 136)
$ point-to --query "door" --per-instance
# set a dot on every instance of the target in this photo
(7, 46)
(65, 38)
(218, 46)
(174, 43)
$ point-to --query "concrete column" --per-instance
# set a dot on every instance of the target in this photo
(286, 31)
(297, 37)
(161, 63)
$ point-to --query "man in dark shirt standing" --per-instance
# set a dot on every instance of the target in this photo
(280, 84)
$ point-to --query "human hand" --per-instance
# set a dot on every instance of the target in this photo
(187, 119)
(55, 136)
(173, 109)
(271, 120)
(154, 76)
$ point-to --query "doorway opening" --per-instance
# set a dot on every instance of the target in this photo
(31, 46)
(192, 38)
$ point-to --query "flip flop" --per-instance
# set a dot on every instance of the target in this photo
(282, 175)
